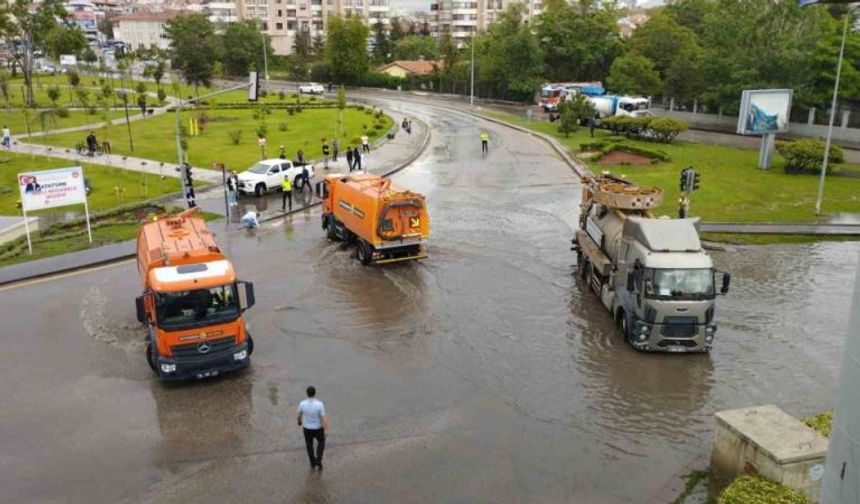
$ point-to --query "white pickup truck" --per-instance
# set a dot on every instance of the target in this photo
(268, 175)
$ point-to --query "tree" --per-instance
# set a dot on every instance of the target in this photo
(192, 44)
(381, 44)
(54, 94)
(415, 47)
(319, 45)
(690, 14)
(577, 46)
(634, 74)
(105, 26)
(4, 85)
(64, 39)
(90, 56)
(243, 47)
(29, 27)
(341, 104)
(822, 68)
(663, 41)
(303, 50)
(156, 72)
(509, 57)
(425, 29)
(396, 32)
(450, 54)
(572, 112)
(346, 48)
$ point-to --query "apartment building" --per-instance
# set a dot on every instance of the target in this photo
(283, 19)
(463, 17)
(142, 30)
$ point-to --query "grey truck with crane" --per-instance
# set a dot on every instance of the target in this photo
(652, 274)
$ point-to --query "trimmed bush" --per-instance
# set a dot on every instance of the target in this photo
(592, 146)
(235, 136)
(758, 490)
(654, 154)
(808, 154)
(62, 112)
(378, 126)
(665, 129)
(282, 126)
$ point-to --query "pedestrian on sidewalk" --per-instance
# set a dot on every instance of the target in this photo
(300, 156)
(409, 127)
(325, 151)
(232, 188)
(314, 423)
(7, 138)
(356, 159)
(335, 148)
(349, 157)
(591, 126)
(306, 178)
(283, 154)
(485, 142)
(92, 143)
(286, 194)
(365, 143)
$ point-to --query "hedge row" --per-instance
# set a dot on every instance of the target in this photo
(606, 148)
(758, 490)
(808, 154)
(660, 129)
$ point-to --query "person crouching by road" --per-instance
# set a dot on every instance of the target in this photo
(249, 220)
(286, 194)
(314, 423)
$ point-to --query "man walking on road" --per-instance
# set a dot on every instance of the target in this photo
(349, 157)
(286, 194)
(485, 142)
(365, 145)
(314, 423)
(356, 159)
(335, 149)
(325, 155)
(7, 138)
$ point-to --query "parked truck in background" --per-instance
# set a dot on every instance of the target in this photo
(652, 274)
(553, 92)
(386, 223)
(190, 302)
(612, 105)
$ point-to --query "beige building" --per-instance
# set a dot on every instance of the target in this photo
(142, 30)
(404, 68)
(283, 19)
(463, 18)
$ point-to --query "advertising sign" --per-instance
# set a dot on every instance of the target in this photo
(68, 60)
(52, 188)
(764, 111)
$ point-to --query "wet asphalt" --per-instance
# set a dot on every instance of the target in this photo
(485, 373)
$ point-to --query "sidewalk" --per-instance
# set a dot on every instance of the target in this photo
(387, 157)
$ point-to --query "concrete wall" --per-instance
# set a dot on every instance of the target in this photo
(842, 135)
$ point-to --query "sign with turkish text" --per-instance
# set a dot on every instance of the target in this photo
(52, 188)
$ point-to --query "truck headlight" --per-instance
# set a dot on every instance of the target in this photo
(168, 368)
(240, 355)
(643, 336)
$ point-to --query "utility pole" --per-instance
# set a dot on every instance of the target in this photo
(472, 80)
(841, 484)
(127, 121)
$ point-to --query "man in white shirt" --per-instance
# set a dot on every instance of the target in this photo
(314, 423)
(365, 144)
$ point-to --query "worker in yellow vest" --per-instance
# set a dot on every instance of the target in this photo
(485, 142)
(286, 194)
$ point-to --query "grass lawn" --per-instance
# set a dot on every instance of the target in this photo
(134, 186)
(154, 137)
(733, 189)
(14, 118)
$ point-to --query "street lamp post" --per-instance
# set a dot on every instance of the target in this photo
(472, 80)
(848, 16)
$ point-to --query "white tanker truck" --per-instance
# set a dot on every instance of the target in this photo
(651, 273)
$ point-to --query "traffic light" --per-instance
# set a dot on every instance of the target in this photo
(695, 181)
(684, 179)
(188, 185)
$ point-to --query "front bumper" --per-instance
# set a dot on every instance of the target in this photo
(653, 338)
(203, 366)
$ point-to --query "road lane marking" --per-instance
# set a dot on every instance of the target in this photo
(60, 276)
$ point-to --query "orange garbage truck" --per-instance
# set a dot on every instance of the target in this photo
(190, 303)
(386, 223)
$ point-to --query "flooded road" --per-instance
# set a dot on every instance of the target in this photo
(484, 374)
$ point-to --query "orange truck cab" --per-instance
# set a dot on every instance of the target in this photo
(386, 223)
(190, 302)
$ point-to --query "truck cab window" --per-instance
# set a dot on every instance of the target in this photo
(695, 283)
(274, 170)
(188, 308)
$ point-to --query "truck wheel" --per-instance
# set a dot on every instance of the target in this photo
(363, 252)
(150, 356)
(260, 190)
(624, 325)
(331, 232)
(580, 264)
(250, 344)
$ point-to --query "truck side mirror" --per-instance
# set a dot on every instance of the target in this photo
(631, 281)
(249, 294)
(141, 309)
(727, 279)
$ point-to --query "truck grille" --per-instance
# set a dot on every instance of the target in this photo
(679, 327)
(193, 349)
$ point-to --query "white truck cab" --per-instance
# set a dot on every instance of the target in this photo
(268, 175)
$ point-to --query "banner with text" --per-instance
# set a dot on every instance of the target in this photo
(52, 188)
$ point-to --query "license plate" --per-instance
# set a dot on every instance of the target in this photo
(676, 349)
(207, 374)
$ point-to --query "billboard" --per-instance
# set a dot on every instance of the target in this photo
(52, 188)
(764, 111)
(68, 60)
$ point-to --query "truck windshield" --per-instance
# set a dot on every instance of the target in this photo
(259, 168)
(679, 283)
(196, 308)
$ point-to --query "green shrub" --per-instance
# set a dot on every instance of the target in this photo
(62, 112)
(369, 111)
(821, 423)
(355, 141)
(294, 96)
(592, 146)
(360, 107)
(162, 95)
(378, 126)
(808, 154)
(312, 99)
(291, 110)
(91, 110)
(665, 129)
(757, 490)
(282, 126)
(235, 136)
(607, 148)
(281, 95)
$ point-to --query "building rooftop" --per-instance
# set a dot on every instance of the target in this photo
(417, 67)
